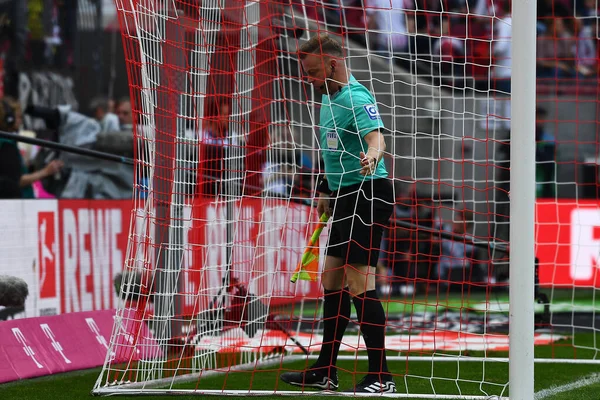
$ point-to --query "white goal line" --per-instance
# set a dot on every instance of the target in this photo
(246, 393)
(146, 388)
(552, 391)
(441, 358)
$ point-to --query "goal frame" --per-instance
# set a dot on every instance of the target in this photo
(522, 201)
(522, 183)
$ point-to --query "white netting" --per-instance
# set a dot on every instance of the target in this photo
(228, 153)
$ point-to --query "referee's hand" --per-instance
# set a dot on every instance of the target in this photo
(323, 206)
(368, 164)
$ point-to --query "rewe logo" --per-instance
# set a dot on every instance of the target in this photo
(585, 243)
(47, 254)
(93, 243)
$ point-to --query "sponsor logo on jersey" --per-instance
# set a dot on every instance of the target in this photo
(372, 112)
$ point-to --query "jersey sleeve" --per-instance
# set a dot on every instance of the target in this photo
(366, 114)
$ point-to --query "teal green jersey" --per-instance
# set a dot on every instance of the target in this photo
(346, 118)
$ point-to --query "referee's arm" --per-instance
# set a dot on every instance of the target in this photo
(375, 150)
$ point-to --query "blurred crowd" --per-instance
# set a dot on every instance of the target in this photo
(455, 41)
(209, 155)
(467, 42)
(31, 171)
(441, 255)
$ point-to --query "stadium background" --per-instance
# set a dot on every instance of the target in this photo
(429, 142)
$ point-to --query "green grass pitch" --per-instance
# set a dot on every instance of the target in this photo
(552, 381)
(450, 378)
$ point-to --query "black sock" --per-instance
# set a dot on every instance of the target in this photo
(336, 315)
(371, 317)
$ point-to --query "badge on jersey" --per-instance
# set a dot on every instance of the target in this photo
(332, 140)
(372, 112)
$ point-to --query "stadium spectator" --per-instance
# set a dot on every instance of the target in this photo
(85, 177)
(478, 49)
(545, 157)
(449, 50)
(501, 47)
(484, 7)
(102, 112)
(458, 255)
(408, 255)
(15, 180)
(387, 24)
(585, 48)
(419, 40)
(555, 51)
(124, 112)
(547, 9)
(215, 138)
(215, 129)
(588, 11)
(397, 244)
(423, 250)
(286, 170)
(354, 19)
(426, 15)
(14, 36)
(461, 48)
(323, 11)
(279, 168)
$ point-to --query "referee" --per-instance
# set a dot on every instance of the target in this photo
(357, 194)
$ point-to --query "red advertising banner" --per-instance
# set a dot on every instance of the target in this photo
(268, 242)
(69, 252)
(568, 242)
(93, 241)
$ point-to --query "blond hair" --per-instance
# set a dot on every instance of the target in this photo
(321, 44)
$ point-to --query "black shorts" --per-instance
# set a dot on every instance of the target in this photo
(360, 214)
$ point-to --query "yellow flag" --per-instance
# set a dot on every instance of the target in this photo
(308, 267)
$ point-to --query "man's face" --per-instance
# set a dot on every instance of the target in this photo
(459, 227)
(559, 26)
(124, 113)
(223, 117)
(317, 69)
(99, 113)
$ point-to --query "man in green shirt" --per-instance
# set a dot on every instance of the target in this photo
(356, 193)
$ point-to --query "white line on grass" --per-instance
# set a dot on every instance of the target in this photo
(586, 381)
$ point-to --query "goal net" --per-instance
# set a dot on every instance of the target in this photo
(228, 154)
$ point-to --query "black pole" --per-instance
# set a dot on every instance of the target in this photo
(65, 147)
(452, 236)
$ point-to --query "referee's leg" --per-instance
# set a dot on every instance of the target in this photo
(336, 315)
(371, 317)
(372, 209)
(336, 311)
